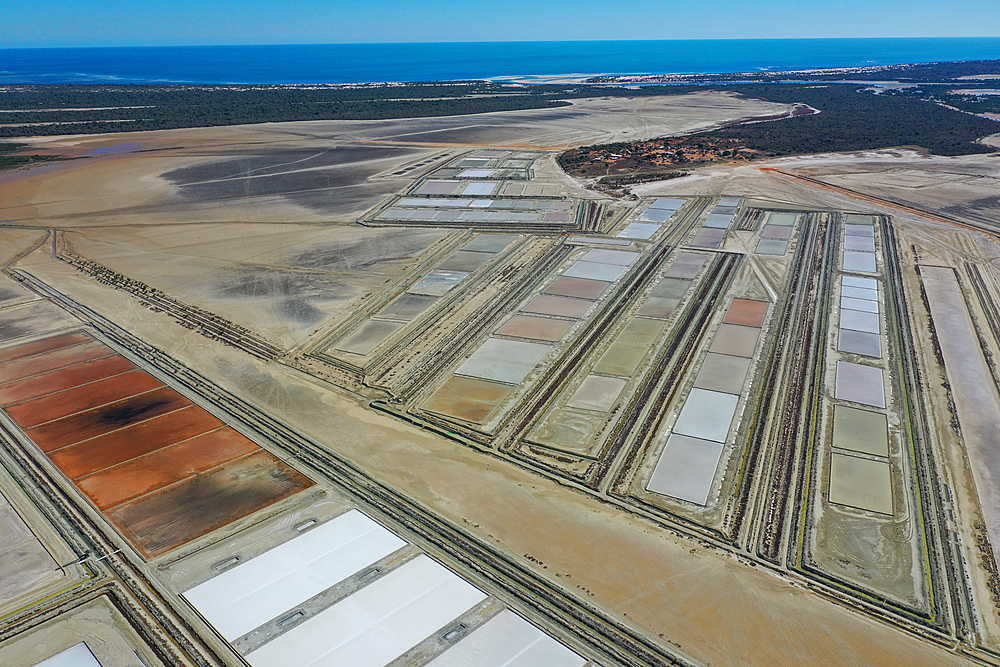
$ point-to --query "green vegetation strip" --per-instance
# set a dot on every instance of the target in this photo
(11, 159)
(61, 109)
(852, 119)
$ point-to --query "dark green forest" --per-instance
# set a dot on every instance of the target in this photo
(924, 71)
(853, 119)
(67, 109)
(917, 73)
(34, 110)
(969, 100)
(12, 158)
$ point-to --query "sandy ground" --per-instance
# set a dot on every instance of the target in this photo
(711, 606)
(962, 188)
(317, 171)
(237, 220)
(966, 188)
(15, 242)
(170, 212)
(281, 281)
(974, 389)
(107, 633)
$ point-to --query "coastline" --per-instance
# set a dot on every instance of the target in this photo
(537, 62)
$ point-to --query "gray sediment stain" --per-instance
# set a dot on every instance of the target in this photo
(293, 294)
(298, 297)
(367, 251)
(24, 563)
(32, 318)
(303, 176)
(173, 516)
(8, 294)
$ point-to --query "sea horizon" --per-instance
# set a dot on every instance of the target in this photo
(306, 64)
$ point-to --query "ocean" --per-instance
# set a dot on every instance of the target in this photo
(359, 63)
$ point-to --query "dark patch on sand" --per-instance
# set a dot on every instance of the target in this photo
(367, 251)
(178, 514)
(304, 176)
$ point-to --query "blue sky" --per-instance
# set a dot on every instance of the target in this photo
(30, 23)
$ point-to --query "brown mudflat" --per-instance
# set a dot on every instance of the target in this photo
(369, 336)
(672, 288)
(776, 232)
(569, 430)
(722, 372)
(658, 307)
(535, 328)
(579, 287)
(165, 466)
(745, 319)
(79, 399)
(407, 307)
(465, 260)
(736, 340)
(63, 378)
(688, 264)
(597, 393)
(547, 304)
(164, 471)
(48, 361)
(630, 347)
(748, 306)
(128, 443)
(175, 515)
(44, 345)
(746, 312)
(621, 358)
(133, 410)
(468, 399)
